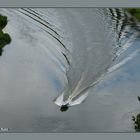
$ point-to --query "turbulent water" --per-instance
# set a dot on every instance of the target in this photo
(59, 56)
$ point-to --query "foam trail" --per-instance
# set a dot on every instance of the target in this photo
(59, 100)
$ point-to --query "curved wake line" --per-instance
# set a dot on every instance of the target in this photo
(117, 66)
(125, 47)
(127, 44)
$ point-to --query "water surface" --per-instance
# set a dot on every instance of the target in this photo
(72, 51)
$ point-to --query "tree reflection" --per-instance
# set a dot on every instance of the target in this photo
(4, 37)
(135, 12)
(136, 120)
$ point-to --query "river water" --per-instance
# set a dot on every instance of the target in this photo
(87, 58)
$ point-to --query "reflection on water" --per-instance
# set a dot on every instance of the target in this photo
(4, 37)
(62, 55)
(136, 120)
(135, 12)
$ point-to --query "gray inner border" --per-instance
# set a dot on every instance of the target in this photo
(70, 136)
(69, 3)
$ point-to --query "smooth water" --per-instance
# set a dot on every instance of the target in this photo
(69, 53)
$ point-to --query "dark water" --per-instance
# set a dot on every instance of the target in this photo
(75, 52)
